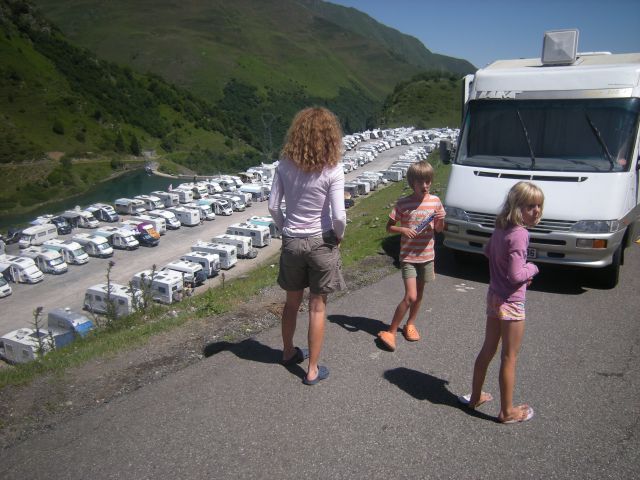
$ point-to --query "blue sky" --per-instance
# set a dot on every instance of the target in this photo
(482, 31)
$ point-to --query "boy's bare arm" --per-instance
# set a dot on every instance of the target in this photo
(438, 220)
(393, 228)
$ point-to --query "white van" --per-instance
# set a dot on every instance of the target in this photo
(260, 236)
(71, 251)
(5, 288)
(20, 269)
(121, 238)
(48, 261)
(569, 125)
(227, 253)
(242, 243)
(210, 261)
(37, 235)
(164, 286)
(123, 299)
(171, 222)
(94, 245)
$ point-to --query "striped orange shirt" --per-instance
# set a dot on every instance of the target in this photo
(410, 212)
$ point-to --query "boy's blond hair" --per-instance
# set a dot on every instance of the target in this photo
(419, 171)
(520, 195)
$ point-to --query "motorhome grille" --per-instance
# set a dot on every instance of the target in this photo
(539, 178)
(545, 226)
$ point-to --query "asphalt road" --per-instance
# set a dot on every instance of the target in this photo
(239, 414)
(67, 290)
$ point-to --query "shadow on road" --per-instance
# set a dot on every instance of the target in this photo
(358, 324)
(423, 386)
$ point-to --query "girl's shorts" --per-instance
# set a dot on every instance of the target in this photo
(498, 308)
(422, 271)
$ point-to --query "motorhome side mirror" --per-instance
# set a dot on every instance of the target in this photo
(445, 151)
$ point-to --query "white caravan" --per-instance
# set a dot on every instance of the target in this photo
(164, 286)
(68, 325)
(80, 218)
(184, 195)
(571, 126)
(244, 249)
(220, 206)
(121, 238)
(48, 261)
(266, 221)
(151, 202)
(159, 223)
(171, 222)
(205, 210)
(192, 273)
(71, 251)
(258, 192)
(20, 269)
(227, 253)
(37, 235)
(169, 199)
(21, 346)
(5, 288)
(130, 206)
(186, 216)
(103, 212)
(259, 234)
(210, 261)
(94, 245)
(123, 300)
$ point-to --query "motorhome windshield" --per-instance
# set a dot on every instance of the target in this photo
(56, 261)
(585, 135)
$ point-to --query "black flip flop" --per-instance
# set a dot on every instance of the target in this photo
(299, 357)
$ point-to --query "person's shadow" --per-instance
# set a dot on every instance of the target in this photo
(423, 386)
(361, 324)
(251, 349)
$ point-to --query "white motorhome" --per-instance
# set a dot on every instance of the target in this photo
(5, 288)
(244, 249)
(130, 206)
(94, 245)
(169, 199)
(198, 190)
(266, 221)
(186, 216)
(392, 175)
(158, 222)
(210, 261)
(151, 202)
(259, 234)
(206, 213)
(258, 192)
(567, 122)
(71, 251)
(68, 324)
(48, 261)
(192, 273)
(21, 346)
(213, 187)
(123, 300)
(171, 222)
(220, 206)
(103, 212)
(184, 195)
(37, 235)
(121, 238)
(20, 269)
(164, 286)
(80, 218)
(227, 253)
(237, 203)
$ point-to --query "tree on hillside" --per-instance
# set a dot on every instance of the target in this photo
(134, 147)
(119, 143)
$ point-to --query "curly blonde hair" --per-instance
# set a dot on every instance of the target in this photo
(314, 140)
(520, 195)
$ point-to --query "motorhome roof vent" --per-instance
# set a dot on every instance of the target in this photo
(559, 47)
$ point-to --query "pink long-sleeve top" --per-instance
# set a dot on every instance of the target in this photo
(508, 266)
(314, 200)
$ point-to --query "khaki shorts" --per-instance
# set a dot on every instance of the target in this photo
(422, 271)
(312, 262)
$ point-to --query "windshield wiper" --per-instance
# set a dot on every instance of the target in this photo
(596, 133)
(526, 136)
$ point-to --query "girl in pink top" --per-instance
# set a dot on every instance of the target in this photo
(510, 274)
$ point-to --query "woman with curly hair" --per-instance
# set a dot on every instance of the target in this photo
(311, 182)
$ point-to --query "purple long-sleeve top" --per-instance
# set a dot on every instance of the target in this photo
(314, 200)
(508, 266)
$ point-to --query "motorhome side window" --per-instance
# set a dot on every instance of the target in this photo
(585, 135)
(121, 302)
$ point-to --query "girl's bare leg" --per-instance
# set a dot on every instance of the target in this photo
(317, 310)
(512, 333)
(289, 320)
(489, 347)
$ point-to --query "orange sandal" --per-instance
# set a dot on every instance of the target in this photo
(388, 339)
(410, 332)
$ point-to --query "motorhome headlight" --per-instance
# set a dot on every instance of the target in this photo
(455, 213)
(596, 226)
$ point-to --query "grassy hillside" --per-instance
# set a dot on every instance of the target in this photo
(430, 99)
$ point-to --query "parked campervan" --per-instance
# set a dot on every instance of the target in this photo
(228, 254)
(185, 195)
(186, 216)
(94, 245)
(121, 238)
(20, 269)
(244, 249)
(171, 222)
(205, 210)
(192, 272)
(210, 261)
(5, 288)
(81, 218)
(259, 234)
(151, 202)
(71, 251)
(37, 235)
(159, 223)
(23, 345)
(103, 212)
(220, 206)
(237, 203)
(111, 298)
(198, 190)
(266, 221)
(163, 286)
(169, 199)
(227, 184)
(48, 261)
(130, 206)
(143, 232)
(392, 175)
(351, 189)
(61, 223)
(69, 324)
(212, 187)
(258, 192)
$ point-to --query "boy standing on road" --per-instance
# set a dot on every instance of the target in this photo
(420, 215)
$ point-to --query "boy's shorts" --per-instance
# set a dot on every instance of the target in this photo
(498, 308)
(312, 262)
(421, 271)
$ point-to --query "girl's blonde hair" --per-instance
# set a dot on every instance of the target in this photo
(520, 195)
(314, 140)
